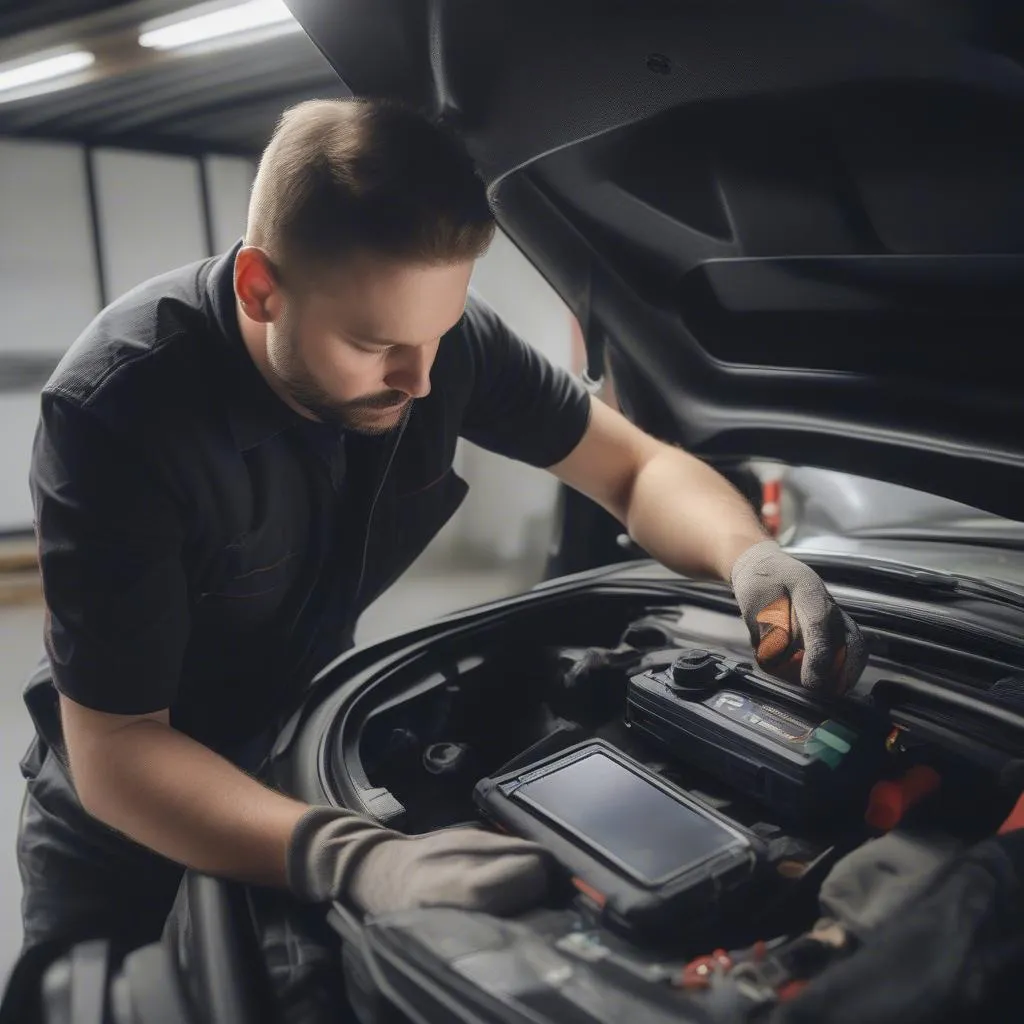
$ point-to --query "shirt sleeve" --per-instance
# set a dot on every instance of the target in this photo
(520, 405)
(110, 542)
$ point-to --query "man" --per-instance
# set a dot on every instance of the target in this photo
(235, 459)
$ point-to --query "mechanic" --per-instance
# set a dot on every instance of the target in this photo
(235, 459)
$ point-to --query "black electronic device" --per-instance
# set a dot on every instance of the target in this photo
(643, 852)
(776, 746)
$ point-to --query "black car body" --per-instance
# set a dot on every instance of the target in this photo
(790, 231)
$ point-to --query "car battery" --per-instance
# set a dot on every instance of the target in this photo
(774, 745)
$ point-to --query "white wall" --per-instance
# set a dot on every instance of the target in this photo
(507, 513)
(18, 414)
(48, 287)
(228, 180)
(149, 220)
(150, 215)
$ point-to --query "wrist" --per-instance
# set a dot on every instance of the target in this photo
(327, 846)
(737, 548)
(300, 845)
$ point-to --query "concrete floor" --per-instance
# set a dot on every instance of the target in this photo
(429, 590)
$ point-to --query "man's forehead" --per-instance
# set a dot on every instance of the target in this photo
(397, 304)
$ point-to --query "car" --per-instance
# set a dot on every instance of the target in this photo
(791, 233)
(822, 502)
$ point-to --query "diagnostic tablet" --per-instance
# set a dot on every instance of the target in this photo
(638, 848)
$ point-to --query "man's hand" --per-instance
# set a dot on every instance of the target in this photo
(336, 853)
(798, 631)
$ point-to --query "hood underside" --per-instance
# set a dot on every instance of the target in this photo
(797, 225)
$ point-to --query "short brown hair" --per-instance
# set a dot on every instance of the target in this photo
(360, 175)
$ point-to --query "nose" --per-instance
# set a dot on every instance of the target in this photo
(411, 372)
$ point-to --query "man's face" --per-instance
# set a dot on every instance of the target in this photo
(358, 348)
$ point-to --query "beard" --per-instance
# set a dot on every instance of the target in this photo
(375, 414)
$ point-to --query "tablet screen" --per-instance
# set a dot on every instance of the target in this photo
(638, 826)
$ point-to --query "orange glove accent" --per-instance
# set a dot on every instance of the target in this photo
(775, 653)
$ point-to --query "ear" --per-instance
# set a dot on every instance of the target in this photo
(256, 285)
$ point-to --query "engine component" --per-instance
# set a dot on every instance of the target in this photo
(1015, 819)
(891, 799)
(591, 681)
(694, 671)
(654, 632)
(786, 752)
(445, 758)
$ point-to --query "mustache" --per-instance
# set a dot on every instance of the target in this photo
(383, 400)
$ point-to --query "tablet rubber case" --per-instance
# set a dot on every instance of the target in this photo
(628, 850)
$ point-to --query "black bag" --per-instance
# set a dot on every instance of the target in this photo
(954, 954)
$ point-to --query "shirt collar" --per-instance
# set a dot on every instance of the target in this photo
(255, 413)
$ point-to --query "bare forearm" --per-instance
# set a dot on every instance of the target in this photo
(688, 517)
(170, 793)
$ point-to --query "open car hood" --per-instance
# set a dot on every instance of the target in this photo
(798, 226)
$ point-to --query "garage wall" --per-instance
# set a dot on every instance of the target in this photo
(228, 181)
(18, 413)
(508, 510)
(62, 250)
(46, 246)
(150, 215)
(48, 291)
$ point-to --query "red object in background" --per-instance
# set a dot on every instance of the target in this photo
(1015, 820)
(697, 973)
(792, 989)
(771, 506)
(890, 800)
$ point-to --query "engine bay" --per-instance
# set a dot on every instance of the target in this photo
(848, 806)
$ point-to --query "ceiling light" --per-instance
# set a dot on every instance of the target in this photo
(216, 26)
(43, 67)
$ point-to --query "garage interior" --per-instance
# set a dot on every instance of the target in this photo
(129, 133)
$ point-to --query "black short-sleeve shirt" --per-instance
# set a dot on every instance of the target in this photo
(203, 547)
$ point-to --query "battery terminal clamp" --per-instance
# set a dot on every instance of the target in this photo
(697, 671)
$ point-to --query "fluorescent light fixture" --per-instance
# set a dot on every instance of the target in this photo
(222, 26)
(43, 67)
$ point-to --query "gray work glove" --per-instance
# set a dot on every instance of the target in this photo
(797, 631)
(336, 853)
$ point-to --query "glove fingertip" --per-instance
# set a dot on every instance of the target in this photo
(856, 652)
(812, 680)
